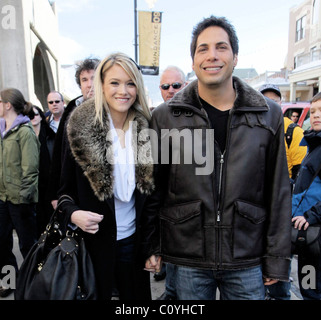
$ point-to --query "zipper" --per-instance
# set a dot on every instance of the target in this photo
(220, 188)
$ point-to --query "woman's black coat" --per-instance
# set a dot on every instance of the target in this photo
(87, 177)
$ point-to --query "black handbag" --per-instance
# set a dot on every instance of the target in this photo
(58, 266)
(306, 241)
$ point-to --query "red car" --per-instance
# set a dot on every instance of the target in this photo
(303, 108)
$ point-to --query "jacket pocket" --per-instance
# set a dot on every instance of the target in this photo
(182, 231)
(248, 230)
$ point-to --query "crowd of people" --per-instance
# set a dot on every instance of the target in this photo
(206, 196)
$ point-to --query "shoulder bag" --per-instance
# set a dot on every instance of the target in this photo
(58, 266)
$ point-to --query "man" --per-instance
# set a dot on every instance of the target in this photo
(56, 107)
(294, 152)
(172, 80)
(295, 116)
(85, 79)
(223, 200)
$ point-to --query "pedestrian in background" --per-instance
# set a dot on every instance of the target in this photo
(56, 107)
(19, 161)
(172, 80)
(293, 134)
(108, 183)
(308, 211)
(224, 223)
(46, 138)
(295, 116)
(84, 77)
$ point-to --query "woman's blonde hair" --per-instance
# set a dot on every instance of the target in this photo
(133, 71)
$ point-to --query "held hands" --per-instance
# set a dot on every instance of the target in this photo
(86, 220)
(153, 264)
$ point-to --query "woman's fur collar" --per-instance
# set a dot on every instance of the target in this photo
(91, 148)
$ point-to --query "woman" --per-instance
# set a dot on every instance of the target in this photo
(19, 160)
(308, 211)
(46, 138)
(108, 183)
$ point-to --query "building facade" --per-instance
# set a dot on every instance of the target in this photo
(29, 48)
(304, 50)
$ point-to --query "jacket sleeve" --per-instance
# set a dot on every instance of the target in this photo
(150, 220)
(276, 260)
(68, 184)
(297, 152)
(313, 215)
(30, 147)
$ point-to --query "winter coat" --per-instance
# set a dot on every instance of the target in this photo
(296, 153)
(310, 206)
(221, 211)
(19, 162)
(87, 177)
(55, 168)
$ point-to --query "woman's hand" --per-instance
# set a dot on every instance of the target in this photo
(86, 220)
(300, 222)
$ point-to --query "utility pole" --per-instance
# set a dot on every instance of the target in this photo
(135, 30)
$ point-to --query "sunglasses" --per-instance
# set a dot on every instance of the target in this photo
(175, 85)
(32, 116)
(56, 101)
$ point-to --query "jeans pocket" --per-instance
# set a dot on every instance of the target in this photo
(248, 233)
(182, 231)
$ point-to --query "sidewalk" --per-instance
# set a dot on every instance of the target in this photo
(158, 286)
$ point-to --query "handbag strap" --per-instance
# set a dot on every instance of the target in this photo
(306, 190)
(61, 200)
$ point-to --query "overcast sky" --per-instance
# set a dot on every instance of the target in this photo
(98, 27)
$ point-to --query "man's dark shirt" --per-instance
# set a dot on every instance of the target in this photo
(219, 120)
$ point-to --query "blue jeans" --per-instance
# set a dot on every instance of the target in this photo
(170, 280)
(198, 284)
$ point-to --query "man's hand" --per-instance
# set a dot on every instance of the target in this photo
(269, 281)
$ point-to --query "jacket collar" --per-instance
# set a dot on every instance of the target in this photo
(312, 139)
(92, 149)
(247, 98)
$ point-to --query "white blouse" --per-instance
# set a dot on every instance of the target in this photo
(124, 184)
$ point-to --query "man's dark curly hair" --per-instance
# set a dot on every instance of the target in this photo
(86, 65)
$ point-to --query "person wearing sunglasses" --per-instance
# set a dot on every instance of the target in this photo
(46, 138)
(172, 80)
(56, 107)
(295, 116)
